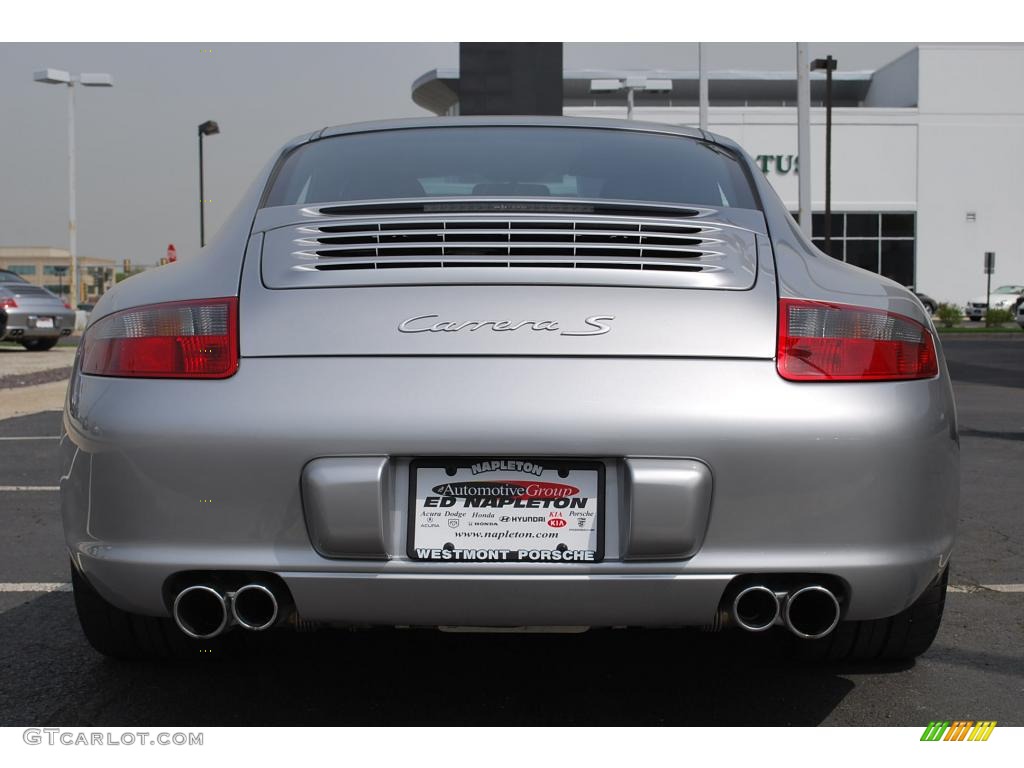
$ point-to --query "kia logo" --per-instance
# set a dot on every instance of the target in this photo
(556, 522)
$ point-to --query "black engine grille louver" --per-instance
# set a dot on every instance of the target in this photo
(485, 241)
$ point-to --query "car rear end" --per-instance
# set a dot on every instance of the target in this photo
(33, 314)
(975, 310)
(525, 391)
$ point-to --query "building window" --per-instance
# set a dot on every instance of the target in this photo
(22, 269)
(50, 269)
(880, 242)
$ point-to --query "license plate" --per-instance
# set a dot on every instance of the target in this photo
(506, 510)
(44, 322)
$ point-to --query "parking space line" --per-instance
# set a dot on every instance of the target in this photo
(35, 586)
(9, 488)
(972, 588)
(33, 437)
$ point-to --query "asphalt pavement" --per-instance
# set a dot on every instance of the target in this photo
(974, 671)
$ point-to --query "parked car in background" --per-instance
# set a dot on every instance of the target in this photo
(497, 372)
(929, 303)
(31, 315)
(6, 276)
(1007, 297)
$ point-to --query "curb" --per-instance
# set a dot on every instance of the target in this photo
(37, 377)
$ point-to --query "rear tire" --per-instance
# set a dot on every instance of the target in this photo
(128, 636)
(38, 345)
(901, 637)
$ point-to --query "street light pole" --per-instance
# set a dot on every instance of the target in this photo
(72, 218)
(828, 64)
(205, 129)
(702, 88)
(803, 137)
(60, 77)
(202, 196)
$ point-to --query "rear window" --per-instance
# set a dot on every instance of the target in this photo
(505, 161)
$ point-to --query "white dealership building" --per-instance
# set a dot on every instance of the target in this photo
(927, 153)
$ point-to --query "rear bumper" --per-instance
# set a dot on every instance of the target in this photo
(877, 583)
(857, 482)
(23, 323)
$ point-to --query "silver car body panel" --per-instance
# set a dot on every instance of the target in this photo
(844, 479)
(641, 321)
(214, 273)
(299, 464)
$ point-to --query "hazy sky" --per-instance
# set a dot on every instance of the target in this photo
(137, 164)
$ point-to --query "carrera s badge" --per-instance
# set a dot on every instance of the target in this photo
(597, 325)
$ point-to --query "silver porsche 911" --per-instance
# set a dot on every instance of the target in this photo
(487, 373)
(31, 315)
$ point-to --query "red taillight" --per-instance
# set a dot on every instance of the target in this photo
(177, 340)
(820, 341)
(66, 305)
(8, 304)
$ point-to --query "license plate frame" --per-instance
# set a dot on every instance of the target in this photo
(550, 475)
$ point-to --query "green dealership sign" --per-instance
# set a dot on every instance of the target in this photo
(780, 164)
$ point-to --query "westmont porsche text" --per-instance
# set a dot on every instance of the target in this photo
(505, 555)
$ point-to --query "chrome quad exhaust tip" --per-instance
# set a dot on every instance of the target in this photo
(201, 612)
(255, 607)
(811, 612)
(756, 608)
